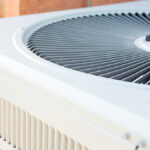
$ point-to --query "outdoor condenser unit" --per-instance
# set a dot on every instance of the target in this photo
(76, 80)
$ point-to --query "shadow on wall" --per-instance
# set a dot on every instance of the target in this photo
(21, 7)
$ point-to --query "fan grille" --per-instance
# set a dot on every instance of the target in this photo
(102, 45)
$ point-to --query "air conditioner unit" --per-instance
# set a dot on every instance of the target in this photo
(76, 79)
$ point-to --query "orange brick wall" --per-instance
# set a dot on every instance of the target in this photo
(21, 7)
(0, 9)
(12, 8)
(103, 2)
(99, 2)
(49, 5)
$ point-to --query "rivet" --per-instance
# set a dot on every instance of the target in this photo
(142, 143)
(126, 136)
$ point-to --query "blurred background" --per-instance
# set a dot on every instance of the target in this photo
(10, 8)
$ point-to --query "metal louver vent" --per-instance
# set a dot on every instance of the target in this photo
(22, 131)
(102, 45)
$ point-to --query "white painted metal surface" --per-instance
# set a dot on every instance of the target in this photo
(96, 113)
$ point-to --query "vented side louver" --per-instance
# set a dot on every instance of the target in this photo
(25, 132)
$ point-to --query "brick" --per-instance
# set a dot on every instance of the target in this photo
(37, 6)
(12, 8)
(99, 2)
(103, 2)
(0, 9)
(118, 1)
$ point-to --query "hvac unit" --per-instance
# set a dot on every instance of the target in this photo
(76, 79)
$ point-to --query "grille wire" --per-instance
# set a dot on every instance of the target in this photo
(102, 45)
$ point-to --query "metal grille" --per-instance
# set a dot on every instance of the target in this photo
(102, 45)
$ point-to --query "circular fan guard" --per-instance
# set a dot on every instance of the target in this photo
(102, 45)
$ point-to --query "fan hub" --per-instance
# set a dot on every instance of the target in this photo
(143, 43)
(147, 38)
